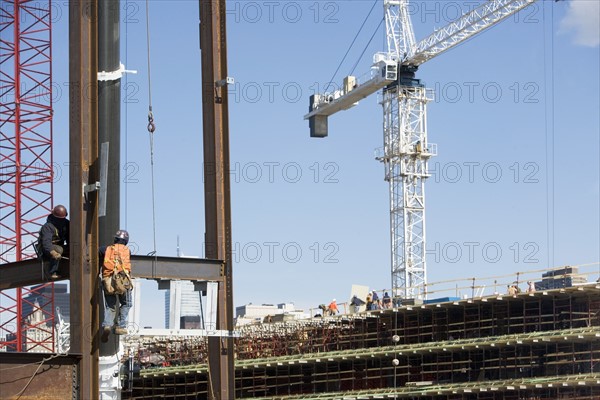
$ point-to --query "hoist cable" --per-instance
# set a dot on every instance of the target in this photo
(366, 47)
(126, 138)
(350, 47)
(549, 131)
(151, 127)
(148, 57)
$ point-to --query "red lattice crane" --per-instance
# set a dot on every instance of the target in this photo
(26, 165)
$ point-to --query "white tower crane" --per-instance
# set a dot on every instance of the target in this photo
(406, 150)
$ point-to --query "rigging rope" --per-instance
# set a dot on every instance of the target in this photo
(366, 47)
(549, 131)
(151, 127)
(126, 187)
(351, 44)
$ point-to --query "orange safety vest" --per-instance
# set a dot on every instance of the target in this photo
(117, 256)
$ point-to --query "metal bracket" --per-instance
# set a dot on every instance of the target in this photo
(224, 82)
(102, 185)
(91, 188)
(114, 75)
(220, 83)
(103, 179)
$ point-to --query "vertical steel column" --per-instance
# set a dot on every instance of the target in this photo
(109, 130)
(213, 45)
(109, 112)
(83, 169)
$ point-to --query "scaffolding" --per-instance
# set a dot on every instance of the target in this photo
(27, 171)
(543, 345)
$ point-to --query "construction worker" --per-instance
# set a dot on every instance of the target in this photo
(53, 240)
(369, 300)
(117, 258)
(356, 303)
(387, 301)
(333, 308)
(376, 303)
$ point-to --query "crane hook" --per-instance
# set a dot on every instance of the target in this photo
(151, 126)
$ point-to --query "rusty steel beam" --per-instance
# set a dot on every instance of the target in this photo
(39, 376)
(31, 272)
(26, 273)
(215, 117)
(83, 170)
(176, 268)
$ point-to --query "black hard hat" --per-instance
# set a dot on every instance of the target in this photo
(123, 235)
(60, 211)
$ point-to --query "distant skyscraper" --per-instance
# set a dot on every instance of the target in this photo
(181, 300)
(183, 296)
(42, 297)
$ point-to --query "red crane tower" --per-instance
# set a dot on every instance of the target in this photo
(26, 167)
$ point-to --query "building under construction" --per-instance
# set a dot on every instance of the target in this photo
(540, 345)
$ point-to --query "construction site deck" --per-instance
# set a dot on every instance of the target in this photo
(542, 345)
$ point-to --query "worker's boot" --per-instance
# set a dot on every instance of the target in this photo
(120, 331)
(105, 333)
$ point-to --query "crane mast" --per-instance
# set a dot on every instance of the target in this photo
(406, 152)
(406, 149)
(405, 155)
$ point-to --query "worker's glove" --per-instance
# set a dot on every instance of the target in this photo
(55, 254)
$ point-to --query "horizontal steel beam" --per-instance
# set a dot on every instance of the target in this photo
(31, 272)
(24, 379)
(182, 333)
(176, 268)
(25, 273)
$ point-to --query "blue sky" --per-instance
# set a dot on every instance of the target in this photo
(515, 186)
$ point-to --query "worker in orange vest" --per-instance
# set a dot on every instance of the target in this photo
(117, 259)
(333, 309)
